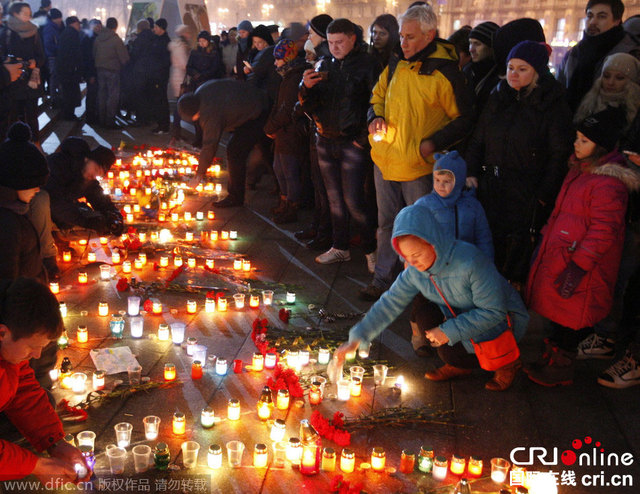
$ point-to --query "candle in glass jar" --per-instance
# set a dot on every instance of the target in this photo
(221, 366)
(233, 235)
(142, 256)
(378, 459)
(82, 334)
(103, 309)
(188, 236)
(407, 461)
(177, 261)
(162, 217)
(103, 240)
(187, 216)
(63, 309)
(224, 235)
(315, 393)
(282, 399)
(83, 278)
(164, 261)
(129, 217)
(347, 460)
(199, 215)
(458, 465)
(214, 456)
(209, 263)
(265, 404)
(137, 264)
(211, 215)
(294, 451)
(79, 382)
(54, 286)
(257, 362)
(115, 258)
(291, 298)
(163, 332)
(175, 216)
(474, 467)
(440, 465)
(126, 266)
(207, 417)
(237, 264)
(143, 237)
(191, 262)
(179, 424)
(260, 456)
(66, 256)
(425, 460)
(222, 304)
(169, 372)
(233, 409)
(324, 355)
(210, 305)
(278, 430)
(192, 307)
(98, 380)
(214, 235)
(156, 308)
(91, 257)
(196, 370)
(270, 360)
(246, 265)
(254, 301)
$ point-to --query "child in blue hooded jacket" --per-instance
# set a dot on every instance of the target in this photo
(459, 213)
(484, 315)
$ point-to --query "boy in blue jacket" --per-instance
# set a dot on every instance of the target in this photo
(461, 215)
(477, 302)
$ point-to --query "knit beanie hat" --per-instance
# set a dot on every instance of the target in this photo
(162, 24)
(245, 26)
(204, 35)
(623, 63)
(143, 25)
(262, 32)
(535, 54)
(22, 165)
(605, 127)
(103, 156)
(297, 31)
(55, 14)
(483, 32)
(319, 24)
(285, 50)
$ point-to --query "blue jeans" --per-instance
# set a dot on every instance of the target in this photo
(287, 170)
(391, 198)
(343, 168)
(108, 95)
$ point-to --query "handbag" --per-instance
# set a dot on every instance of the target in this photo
(492, 354)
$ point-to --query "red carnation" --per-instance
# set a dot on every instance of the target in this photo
(284, 315)
(148, 306)
(122, 285)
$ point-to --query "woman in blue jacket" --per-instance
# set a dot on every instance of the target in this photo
(482, 311)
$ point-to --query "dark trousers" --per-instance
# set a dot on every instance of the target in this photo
(242, 141)
(159, 104)
(92, 101)
(108, 96)
(457, 356)
(321, 214)
(343, 167)
(567, 338)
(69, 95)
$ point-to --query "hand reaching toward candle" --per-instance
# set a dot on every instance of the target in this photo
(437, 337)
(66, 463)
(341, 352)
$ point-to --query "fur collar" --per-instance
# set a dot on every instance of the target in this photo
(629, 177)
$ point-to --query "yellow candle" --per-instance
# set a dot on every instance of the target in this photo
(260, 456)
(222, 304)
(137, 263)
(54, 286)
(282, 399)
(103, 240)
(192, 306)
(457, 465)
(83, 278)
(246, 265)
(142, 256)
(164, 261)
(258, 362)
(157, 307)
(214, 235)
(237, 264)
(103, 309)
(254, 301)
(169, 372)
(209, 263)
(91, 257)
(347, 461)
(115, 258)
(191, 262)
(177, 261)
(66, 256)
(378, 459)
(224, 235)
(179, 423)
(233, 410)
(210, 305)
(188, 236)
(82, 334)
(211, 215)
(356, 386)
(126, 266)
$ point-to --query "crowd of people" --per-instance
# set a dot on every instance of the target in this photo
(480, 187)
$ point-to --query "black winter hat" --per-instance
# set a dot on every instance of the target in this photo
(55, 14)
(204, 35)
(103, 156)
(262, 32)
(320, 23)
(22, 165)
(162, 24)
(512, 33)
(484, 32)
(605, 127)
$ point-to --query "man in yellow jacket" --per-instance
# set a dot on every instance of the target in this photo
(419, 105)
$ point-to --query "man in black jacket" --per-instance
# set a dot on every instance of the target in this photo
(69, 62)
(89, 72)
(159, 77)
(337, 96)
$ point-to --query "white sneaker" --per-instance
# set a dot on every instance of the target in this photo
(596, 346)
(371, 262)
(623, 374)
(333, 255)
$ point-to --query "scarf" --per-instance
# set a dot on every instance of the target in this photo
(23, 29)
(590, 51)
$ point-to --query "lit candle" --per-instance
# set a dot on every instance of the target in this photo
(207, 417)
(291, 298)
(214, 457)
(162, 217)
(175, 217)
(282, 399)
(233, 235)
(156, 307)
(154, 236)
(83, 278)
(221, 366)
(214, 235)
(343, 389)
(254, 301)
(315, 393)
(238, 298)
(63, 309)
(210, 305)
(163, 332)
(82, 334)
(177, 261)
(216, 169)
(260, 456)
(457, 465)
(137, 326)
(115, 258)
(129, 217)
(103, 240)
(309, 464)
(78, 382)
(188, 236)
(278, 430)
(209, 263)
(378, 459)
(54, 287)
(407, 461)
(98, 380)
(63, 341)
(475, 466)
(191, 262)
(265, 404)
(222, 304)
(224, 235)
(66, 256)
(246, 265)
(237, 264)
(143, 237)
(233, 409)
(347, 461)
(199, 215)
(196, 370)
(270, 360)
(328, 460)
(126, 266)
(294, 451)
(258, 362)
(179, 424)
(211, 215)
(187, 216)
(164, 261)
(192, 307)
(91, 257)
(169, 372)
(218, 188)
(103, 309)
(324, 355)
(440, 465)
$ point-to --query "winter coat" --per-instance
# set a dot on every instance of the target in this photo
(263, 73)
(69, 59)
(66, 186)
(587, 227)
(339, 104)
(519, 152)
(204, 65)
(140, 49)
(109, 51)
(25, 404)
(483, 77)
(280, 123)
(468, 280)
(225, 105)
(460, 214)
(50, 35)
(26, 49)
(160, 59)
(88, 62)
(444, 116)
(179, 51)
(19, 243)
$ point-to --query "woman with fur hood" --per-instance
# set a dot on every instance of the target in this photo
(572, 278)
(618, 87)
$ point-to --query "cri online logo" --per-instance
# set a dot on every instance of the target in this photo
(585, 452)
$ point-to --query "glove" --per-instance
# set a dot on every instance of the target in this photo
(569, 279)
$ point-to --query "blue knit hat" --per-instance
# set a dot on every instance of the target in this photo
(535, 54)
(245, 26)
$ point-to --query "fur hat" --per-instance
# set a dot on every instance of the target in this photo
(262, 32)
(512, 33)
(245, 26)
(484, 31)
(103, 156)
(285, 50)
(319, 24)
(624, 63)
(605, 127)
(162, 24)
(535, 54)
(22, 165)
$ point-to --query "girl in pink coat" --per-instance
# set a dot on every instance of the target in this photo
(572, 277)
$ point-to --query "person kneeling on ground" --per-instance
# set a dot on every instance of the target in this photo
(483, 314)
(29, 319)
(74, 169)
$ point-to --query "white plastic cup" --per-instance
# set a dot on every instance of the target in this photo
(357, 372)
(123, 434)
(235, 449)
(177, 333)
(141, 457)
(117, 457)
(133, 305)
(105, 272)
(267, 297)
(344, 391)
(190, 453)
(135, 374)
(86, 438)
(151, 427)
(379, 374)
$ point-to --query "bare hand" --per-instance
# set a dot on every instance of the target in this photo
(194, 182)
(53, 470)
(310, 78)
(436, 336)
(32, 64)
(472, 182)
(378, 124)
(247, 70)
(14, 69)
(634, 158)
(271, 136)
(427, 148)
(71, 457)
(342, 351)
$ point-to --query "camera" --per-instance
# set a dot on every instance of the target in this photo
(12, 59)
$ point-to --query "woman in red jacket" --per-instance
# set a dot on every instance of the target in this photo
(572, 278)
(29, 319)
